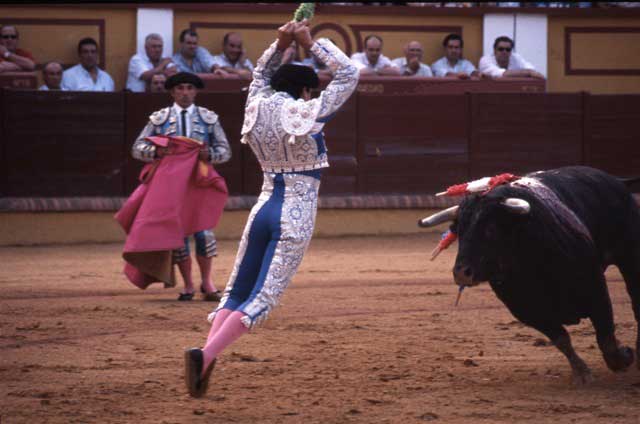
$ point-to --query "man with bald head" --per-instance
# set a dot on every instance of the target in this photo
(411, 64)
(371, 61)
(12, 58)
(233, 59)
(52, 76)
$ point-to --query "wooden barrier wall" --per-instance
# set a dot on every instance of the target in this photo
(78, 144)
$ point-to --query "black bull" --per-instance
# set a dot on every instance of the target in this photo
(543, 244)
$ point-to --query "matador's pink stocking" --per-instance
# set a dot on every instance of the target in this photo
(231, 330)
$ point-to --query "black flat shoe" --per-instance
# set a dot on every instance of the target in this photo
(193, 362)
(215, 296)
(185, 296)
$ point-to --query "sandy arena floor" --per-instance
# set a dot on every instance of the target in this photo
(367, 333)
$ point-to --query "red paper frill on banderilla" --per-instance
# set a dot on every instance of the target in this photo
(179, 195)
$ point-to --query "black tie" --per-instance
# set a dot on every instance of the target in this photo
(184, 122)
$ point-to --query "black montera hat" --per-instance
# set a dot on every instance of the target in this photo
(183, 78)
(294, 75)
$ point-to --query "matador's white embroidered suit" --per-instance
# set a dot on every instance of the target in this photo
(285, 134)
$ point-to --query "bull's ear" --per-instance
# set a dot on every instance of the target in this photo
(515, 205)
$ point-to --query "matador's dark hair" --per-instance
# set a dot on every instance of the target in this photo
(293, 78)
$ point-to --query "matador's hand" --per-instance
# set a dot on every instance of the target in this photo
(285, 35)
(204, 154)
(303, 35)
(163, 151)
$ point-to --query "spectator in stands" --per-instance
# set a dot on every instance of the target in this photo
(504, 63)
(410, 65)
(452, 64)
(86, 75)
(52, 76)
(371, 61)
(194, 58)
(142, 67)
(156, 85)
(233, 58)
(12, 58)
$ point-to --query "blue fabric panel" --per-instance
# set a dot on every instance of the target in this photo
(263, 237)
(319, 138)
(201, 243)
(326, 118)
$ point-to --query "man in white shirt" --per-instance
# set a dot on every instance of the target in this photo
(410, 65)
(233, 58)
(504, 63)
(371, 61)
(452, 65)
(143, 66)
(86, 75)
(52, 76)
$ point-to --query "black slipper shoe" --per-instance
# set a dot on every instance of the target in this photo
(215, 296)
(193, 362)
(185, 296)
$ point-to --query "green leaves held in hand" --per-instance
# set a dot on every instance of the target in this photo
(304, 11)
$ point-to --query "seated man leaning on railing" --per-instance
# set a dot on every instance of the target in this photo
(452, 65)
(371, 61)
(504, 63)
(12, 58)
(233, 59)
(411, 64)
(144, 66)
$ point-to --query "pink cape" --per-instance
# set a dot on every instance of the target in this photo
(179, 195)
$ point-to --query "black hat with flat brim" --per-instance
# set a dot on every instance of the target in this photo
(183, 78)
(294, 75)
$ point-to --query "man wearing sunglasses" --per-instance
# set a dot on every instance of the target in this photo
(505, 63)
(13, 59)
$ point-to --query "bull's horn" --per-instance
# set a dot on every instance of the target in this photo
(440, 217)
(519, 206)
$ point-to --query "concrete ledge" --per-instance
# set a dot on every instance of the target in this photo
(29, 228)
(112, 204)
(34, 221)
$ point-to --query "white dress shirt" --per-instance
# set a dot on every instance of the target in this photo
(360, 61)
(44, 87)
(138, 65)
(178, 111)
(423, 71)
(222, 61)
(77, 78)
(442, 67)
(489, 66)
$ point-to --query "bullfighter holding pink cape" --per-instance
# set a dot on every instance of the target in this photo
(179, 195)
